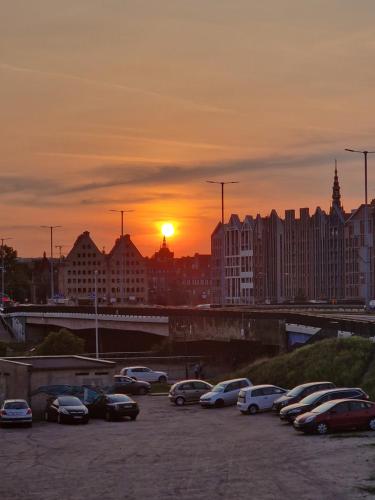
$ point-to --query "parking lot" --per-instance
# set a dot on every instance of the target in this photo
(187, 453)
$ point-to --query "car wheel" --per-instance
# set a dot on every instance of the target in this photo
(142, 391)
(253, 409)
(322, 428)
(162, 379)
(107, 416)
(219, 403)
(180, 401)
(371, 424)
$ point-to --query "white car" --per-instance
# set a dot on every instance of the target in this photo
(258, 398)
(224, 393)
(16, 411)
(144, 373)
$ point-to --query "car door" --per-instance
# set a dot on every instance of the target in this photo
(359, 413)
(257, 398)
(147, 375)
(187, 391)
(269, 396)
(339, 416)
(200, 388)
(231, 393)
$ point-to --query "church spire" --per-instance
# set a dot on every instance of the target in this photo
(336, 196)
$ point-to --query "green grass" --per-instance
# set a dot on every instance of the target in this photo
(346, 362)
(157, 388)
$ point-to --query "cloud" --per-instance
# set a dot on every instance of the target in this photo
(119, 87)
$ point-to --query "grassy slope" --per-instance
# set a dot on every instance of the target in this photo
(346, 362)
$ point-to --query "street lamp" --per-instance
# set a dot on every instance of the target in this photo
(96, 314)
(3, 268)
(122, 218)
(222, 194)
(367, 257)
(51, 228)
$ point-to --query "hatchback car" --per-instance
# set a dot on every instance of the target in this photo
(188, 391)
(289, 413)
(258, 398)
(144, 373)
(337, 415)
(299, 392)
(127, 385)
(114, 406)
(225, 393)
(66, 409)
(16, 411)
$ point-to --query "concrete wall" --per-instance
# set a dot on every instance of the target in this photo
(14, 380)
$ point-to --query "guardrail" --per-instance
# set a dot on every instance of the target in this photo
(91, 316)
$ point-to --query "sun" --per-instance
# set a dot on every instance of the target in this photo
(167, 229)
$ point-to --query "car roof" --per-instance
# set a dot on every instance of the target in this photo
(335, 389)
(233, 380)
(15, 401)
(262, 386)
(349, 400)
(132, 367)
(192, 380)
(309, 384)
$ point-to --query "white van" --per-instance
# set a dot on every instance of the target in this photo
(258, 398)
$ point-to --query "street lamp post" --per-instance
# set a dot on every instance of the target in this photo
(96, 314)
(51, 228)
(222, 194)
(3, 268)
(122, 212)
(367, 256)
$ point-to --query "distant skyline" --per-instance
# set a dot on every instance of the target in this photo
(134, 105)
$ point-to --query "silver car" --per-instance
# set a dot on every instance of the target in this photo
(16, 411)
(224, 393)
(188, 391)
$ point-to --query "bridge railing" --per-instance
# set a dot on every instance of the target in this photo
(91, 316)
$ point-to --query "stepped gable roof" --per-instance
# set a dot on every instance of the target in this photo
(86, 239)
(121, 244)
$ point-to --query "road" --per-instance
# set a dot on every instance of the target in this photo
(188, 453)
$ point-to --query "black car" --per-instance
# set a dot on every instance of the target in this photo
(127, 385)
(300, 392)
(291, 412)
(114, 406)
(66, 409)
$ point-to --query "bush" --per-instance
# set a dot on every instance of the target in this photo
(61, 342)
(342, 361)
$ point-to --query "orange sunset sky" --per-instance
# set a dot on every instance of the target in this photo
(122, 104)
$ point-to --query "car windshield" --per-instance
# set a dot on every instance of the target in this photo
(324, 407)
(69, 401)
(16, 405)
(311, 398)
(118, 398)
(218, 388)
(295, 392)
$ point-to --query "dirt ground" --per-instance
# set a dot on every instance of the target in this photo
(185, 453)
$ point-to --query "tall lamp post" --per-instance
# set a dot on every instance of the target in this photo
(122, 212)
(3, 268)
(96, 314)
(367, 256)
(222, 194)
(51, 228)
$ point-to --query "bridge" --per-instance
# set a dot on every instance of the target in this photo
(194, 323)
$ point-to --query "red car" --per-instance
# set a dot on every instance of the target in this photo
(337, 415)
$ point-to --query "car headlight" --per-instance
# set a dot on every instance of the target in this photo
(64, 411)
(86, 411)
(310, 419)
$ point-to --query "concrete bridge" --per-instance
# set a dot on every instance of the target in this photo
(265, 324)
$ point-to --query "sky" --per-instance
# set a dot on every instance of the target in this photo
(133, 105)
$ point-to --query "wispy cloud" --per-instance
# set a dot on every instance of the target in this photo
(119, 87)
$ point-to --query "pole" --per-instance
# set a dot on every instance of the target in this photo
(52, 280)
(96, 315)
(367, 256)
(122, 223)
(222, 202)
(3, 269)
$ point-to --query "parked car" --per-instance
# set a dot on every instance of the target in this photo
(258, 398)
(114, 406)
(188, 391)
(315, 399)
(16, 411)
(127, 385)
(66, 409)
(225, 393)
(299, 392)
(335, 415)
(144, 373)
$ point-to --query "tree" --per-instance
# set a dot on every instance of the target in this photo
(17, 275)
(61, 342)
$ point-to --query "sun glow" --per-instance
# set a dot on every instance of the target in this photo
(167, 229)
